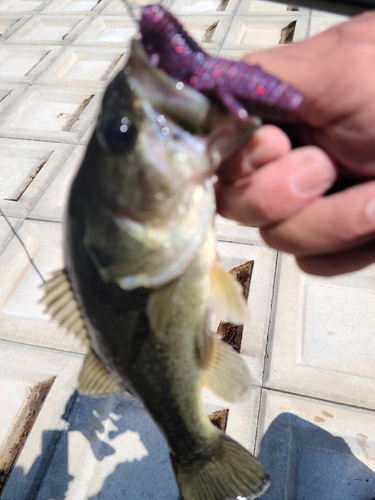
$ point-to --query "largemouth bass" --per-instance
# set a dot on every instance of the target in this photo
(142, 277)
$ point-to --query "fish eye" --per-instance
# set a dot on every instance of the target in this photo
(119, 135)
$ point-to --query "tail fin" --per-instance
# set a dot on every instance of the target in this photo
(231, 473)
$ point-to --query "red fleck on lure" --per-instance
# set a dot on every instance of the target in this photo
(241, 88)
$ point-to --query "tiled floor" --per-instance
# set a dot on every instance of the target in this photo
(309, 342)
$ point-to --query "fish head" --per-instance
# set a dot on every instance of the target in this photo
(152, 135)
(151, 165)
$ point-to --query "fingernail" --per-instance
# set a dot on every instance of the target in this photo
(247, 162)
(250, 158)
(315, 175)
(371, 209)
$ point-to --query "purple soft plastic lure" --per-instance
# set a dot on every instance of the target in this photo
(241, 88)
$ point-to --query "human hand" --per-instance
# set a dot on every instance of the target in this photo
(259, 185)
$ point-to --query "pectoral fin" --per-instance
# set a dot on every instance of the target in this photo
(159, 306)
(226, 374)
(94, 380)
(62, 306)
(227, 298)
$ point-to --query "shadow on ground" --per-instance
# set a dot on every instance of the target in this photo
(112, 450)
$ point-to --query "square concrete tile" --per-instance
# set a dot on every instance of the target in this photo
(24, 64)
(108, 31)
(22, 317)
(242, 415)
(56, 30)
(208, 30)
(26, 169)
(45, 113)
(321, 22)
(230, 230)
(261, 291)
(86, 67)
(313, 449)
(113, 7)
(90, 130)
(266, 7)
(22, 7)
(255, 31)
(62, 7)
(203, 6)
(36, 384)
(52, 204)
(322, 340)
(6, 232)
(9, 92)
(239, 53)
(9, 23)
(6, 23)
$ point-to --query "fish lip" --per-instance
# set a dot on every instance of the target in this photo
(228, 136)
(181, 102)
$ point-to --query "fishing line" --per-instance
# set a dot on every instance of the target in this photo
(130, 9)
(24, 247)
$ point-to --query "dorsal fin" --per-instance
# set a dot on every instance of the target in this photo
(62, 306)
(94, 380)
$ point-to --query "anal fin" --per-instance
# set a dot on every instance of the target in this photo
(227, 374)
(94, 379)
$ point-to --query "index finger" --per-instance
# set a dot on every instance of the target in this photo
(266, 144)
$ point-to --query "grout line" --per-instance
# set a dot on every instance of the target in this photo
(270, 322)
(58, 434)
(267, 354)
(231, 18)
(258, 420)
(315, 398)
(54, 141)
(309, 19)
(257, 245)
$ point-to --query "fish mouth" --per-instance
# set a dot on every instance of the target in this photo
(228, 135)
(189, 109)
(184, 105)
